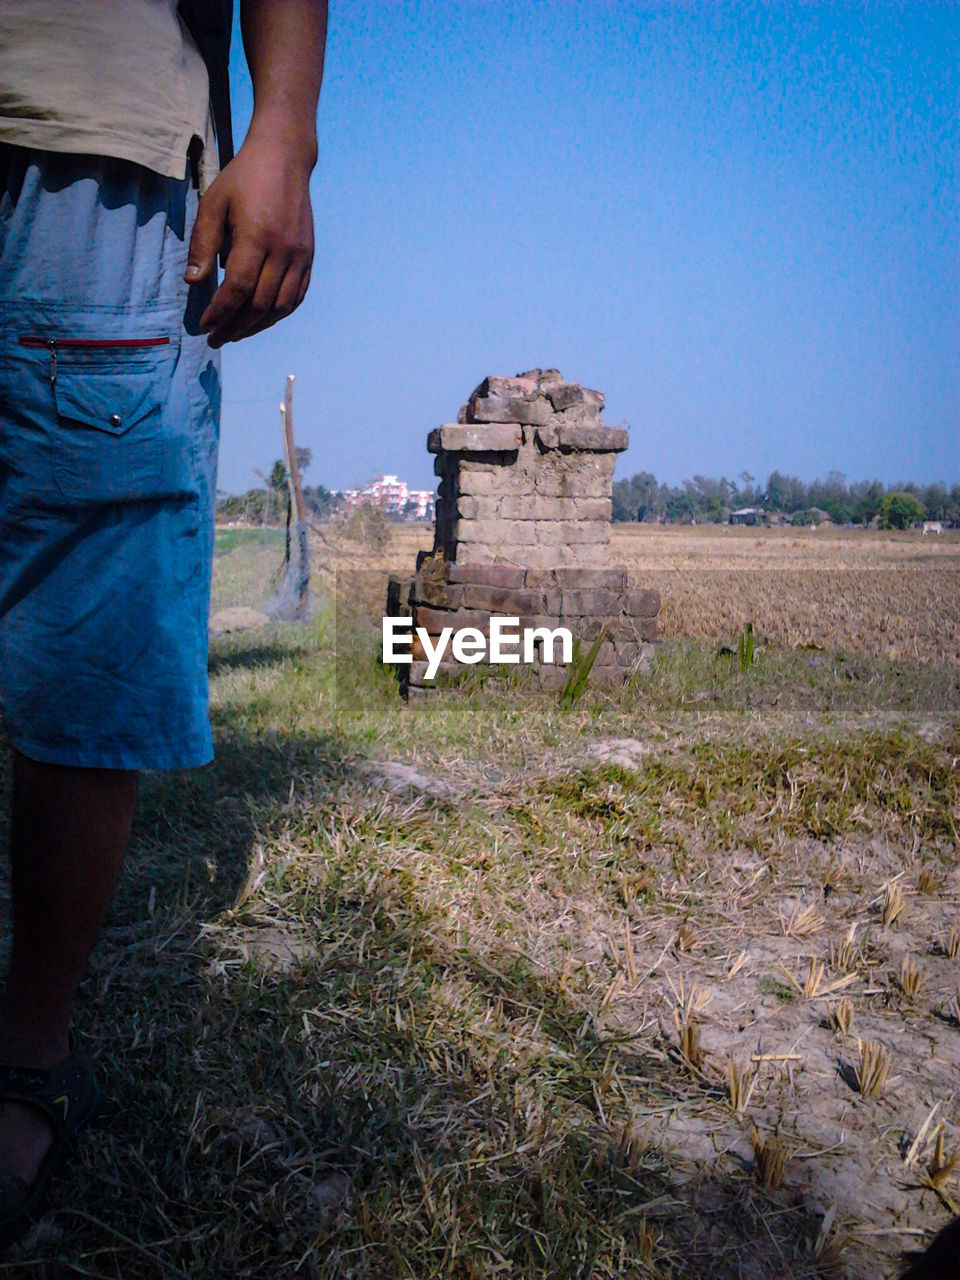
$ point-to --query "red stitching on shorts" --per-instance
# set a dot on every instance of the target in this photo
(27, 340)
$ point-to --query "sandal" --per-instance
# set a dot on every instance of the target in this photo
(942, 1258)
(68, 1097)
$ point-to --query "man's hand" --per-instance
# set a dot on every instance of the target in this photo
(260, 203)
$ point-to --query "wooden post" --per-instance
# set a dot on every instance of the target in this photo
(293, 469)
(291, 497)
(292, 465)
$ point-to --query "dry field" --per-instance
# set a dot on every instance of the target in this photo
(887, 595)
(878, 594)
(661, 987)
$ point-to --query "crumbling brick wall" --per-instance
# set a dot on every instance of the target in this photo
(523, 528)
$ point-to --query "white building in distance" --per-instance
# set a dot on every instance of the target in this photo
(393, 496)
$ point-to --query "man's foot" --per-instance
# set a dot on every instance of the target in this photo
(42, 1109)
(26, 1135)
(941, 1260)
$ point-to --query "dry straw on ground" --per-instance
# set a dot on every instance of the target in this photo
(887, 596)
(893, 904)
(911, 977)
(872, 1068)
(770, 1159)
(842, 1016)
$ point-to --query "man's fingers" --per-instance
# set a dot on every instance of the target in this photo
(238, 286)
(304, 286)
(279, 291)
(208, 233)
(288, 298)
(261, 309)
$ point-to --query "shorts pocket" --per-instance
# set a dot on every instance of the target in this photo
(111, 440)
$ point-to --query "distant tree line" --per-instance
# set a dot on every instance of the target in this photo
(702, 499)
(709, 501)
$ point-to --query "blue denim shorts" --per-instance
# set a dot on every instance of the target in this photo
(109, 419)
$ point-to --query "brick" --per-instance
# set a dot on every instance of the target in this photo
(556, 648)
(503, 487)
(622, 631)
(626, 649)
(434, 620)
(576, 464)
(536, 507)
(538, 557)
(642, 604)
(569, 533)
(587, 603)
(489, 437)
(598, 579)
(587, 628)
(479, 481)
(488, 575)
(584, 556)
(541, 579)
(583, 479)
(477, 553)
(584, 629)
(510, 407)
(550, 620)
(501, 463)
(471, 508)
(618, 632)
(569, 395)
(562, 486)
(592, 509)
(439, 595)
(506, 600)
(583, 436)
(496, 532)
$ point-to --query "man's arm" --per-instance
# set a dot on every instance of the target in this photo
(261, 200)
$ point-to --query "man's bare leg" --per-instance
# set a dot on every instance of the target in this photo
(69, 829)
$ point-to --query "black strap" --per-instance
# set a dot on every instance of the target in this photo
(210, 22)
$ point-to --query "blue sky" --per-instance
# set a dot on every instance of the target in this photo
(738, 220)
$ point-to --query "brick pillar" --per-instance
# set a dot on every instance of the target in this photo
(531, 490)
(523, 526)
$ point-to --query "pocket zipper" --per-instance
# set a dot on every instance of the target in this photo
(53, 345)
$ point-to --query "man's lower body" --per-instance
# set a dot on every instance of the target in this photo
(109, 407)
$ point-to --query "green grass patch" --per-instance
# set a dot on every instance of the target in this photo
(230, 539)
